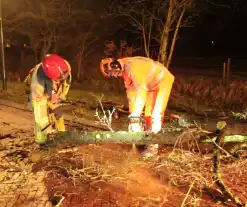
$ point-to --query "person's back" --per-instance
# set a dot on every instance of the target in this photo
(40, 85)
(143, 72)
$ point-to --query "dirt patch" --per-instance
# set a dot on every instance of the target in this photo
(97, 175)
(112, 175)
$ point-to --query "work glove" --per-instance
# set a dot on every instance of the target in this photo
(54, 96)
(148, 123)
(135, 124)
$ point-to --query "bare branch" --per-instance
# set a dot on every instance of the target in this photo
(48, 22)
(218, 5)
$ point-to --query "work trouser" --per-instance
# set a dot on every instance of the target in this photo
(40, 137)
(57, 121)
(157, 99)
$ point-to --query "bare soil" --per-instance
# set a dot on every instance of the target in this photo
(114, 175)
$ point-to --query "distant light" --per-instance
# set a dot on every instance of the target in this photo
(212, 42)
(25, 45)
(7, 45)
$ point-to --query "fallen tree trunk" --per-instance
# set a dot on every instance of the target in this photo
(123, 137)
(229, 138)
(120, 137)
(166, 137)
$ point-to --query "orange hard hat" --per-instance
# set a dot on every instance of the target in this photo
(108, 65)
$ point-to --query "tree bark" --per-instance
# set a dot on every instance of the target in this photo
(165, 35)
(80, 55)
(144, 36)
(174, 39)
(138, 138)
(119, 137)
(22, 69)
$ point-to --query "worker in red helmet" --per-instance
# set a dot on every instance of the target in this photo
(148, 84)
(49, 83)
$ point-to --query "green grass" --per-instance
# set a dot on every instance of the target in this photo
(87, 95)
(16, 92)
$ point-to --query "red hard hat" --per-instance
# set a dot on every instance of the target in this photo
(55, 67)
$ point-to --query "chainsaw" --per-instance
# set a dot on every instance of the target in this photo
(146, 122)
(141, 121)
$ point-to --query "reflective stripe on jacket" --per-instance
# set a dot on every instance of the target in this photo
(143, 72)
(41, 92)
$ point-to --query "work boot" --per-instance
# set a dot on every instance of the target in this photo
(47, 145)
(43, 147)
(150, 151)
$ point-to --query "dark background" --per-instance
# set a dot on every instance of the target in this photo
(217, 32)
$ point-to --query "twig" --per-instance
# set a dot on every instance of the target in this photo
(216, 159)
(106, 119)
(187, 194)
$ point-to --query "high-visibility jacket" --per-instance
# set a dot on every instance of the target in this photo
(141, 76)
(42, 93)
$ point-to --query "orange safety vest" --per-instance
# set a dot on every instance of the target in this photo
(142, 75)
(142, 72)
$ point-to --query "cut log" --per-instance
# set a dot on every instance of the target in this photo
(229, 138)
(123, 137)
(166, 137)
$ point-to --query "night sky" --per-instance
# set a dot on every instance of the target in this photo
(219, 29)
(222, 32)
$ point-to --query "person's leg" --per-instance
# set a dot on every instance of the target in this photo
(41, 120)
(151, 149)
(40, 138)
(162, 101)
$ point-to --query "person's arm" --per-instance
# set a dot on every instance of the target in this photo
(65, 86)
(139, 80)
(140, 100)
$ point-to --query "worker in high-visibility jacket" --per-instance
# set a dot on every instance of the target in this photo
(49, 83)
(148, 84)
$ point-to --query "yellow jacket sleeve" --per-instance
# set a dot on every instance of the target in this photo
(65, 86)
(140, 101)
